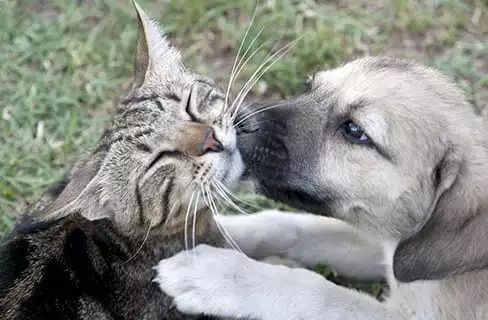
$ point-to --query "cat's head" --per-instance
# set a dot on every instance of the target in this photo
(170, 144)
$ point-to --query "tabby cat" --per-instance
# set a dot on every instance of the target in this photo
(87, 248)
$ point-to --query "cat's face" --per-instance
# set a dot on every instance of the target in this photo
(170, 145)
(177, 141)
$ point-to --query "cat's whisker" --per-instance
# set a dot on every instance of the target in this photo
(255, 71)
(260, 71)
(171, 212)
(251, 114)
(245, 59)
(214, 215)
(241, 67)
(195, 221)
(238, 124)
(186, 222)
(222, 229)
(234, 196)
(245, 62)
(141, 246)
(227, 200)
(227, 236)
(232, 74)
(242, 63)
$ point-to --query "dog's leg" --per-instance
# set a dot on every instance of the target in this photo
(307, 239)
(226, 283)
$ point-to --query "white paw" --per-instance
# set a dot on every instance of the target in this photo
(207, 280)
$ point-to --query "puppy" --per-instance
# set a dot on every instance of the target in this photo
(393, 163)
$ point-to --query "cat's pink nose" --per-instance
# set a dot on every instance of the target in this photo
(210, 142)
(197, 139)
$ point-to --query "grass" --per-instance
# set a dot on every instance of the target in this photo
(66, 62)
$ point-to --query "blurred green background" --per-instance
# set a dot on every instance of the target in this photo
(64, 64)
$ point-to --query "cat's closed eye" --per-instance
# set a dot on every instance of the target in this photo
(172, 96)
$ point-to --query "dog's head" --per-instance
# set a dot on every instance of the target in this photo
(389, 146)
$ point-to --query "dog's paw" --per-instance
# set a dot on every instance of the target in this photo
(207, 280)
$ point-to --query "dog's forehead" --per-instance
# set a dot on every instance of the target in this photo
(385, 89)
(369, 79)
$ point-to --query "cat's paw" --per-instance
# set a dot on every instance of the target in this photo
(208, 280)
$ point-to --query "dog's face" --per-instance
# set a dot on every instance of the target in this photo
(384, 144)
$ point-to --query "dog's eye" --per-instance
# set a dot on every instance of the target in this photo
(354, 133)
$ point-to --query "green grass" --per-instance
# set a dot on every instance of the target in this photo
(65, 63)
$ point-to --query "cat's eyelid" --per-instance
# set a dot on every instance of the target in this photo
(138, 99)
(206, 81)
(187, 106)
(172, 96)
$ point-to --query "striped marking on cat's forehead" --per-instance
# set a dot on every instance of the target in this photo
(153, 97)
(138, 99)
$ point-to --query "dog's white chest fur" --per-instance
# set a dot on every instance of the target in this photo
(450, 298)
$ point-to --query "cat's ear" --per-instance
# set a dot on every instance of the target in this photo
(82, 194)
(153, 49)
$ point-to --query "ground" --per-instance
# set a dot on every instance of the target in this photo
(66, 63)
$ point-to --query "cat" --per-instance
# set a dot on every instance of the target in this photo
(86, 249)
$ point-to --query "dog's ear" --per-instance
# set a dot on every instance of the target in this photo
(454, 240)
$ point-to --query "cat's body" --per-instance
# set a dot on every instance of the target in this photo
(148, 189)
(74, 268)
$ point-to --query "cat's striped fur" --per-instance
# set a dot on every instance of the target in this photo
(86, 248)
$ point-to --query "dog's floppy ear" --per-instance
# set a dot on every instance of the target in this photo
(454, 240)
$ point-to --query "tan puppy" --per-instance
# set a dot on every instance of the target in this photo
(391, 148)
